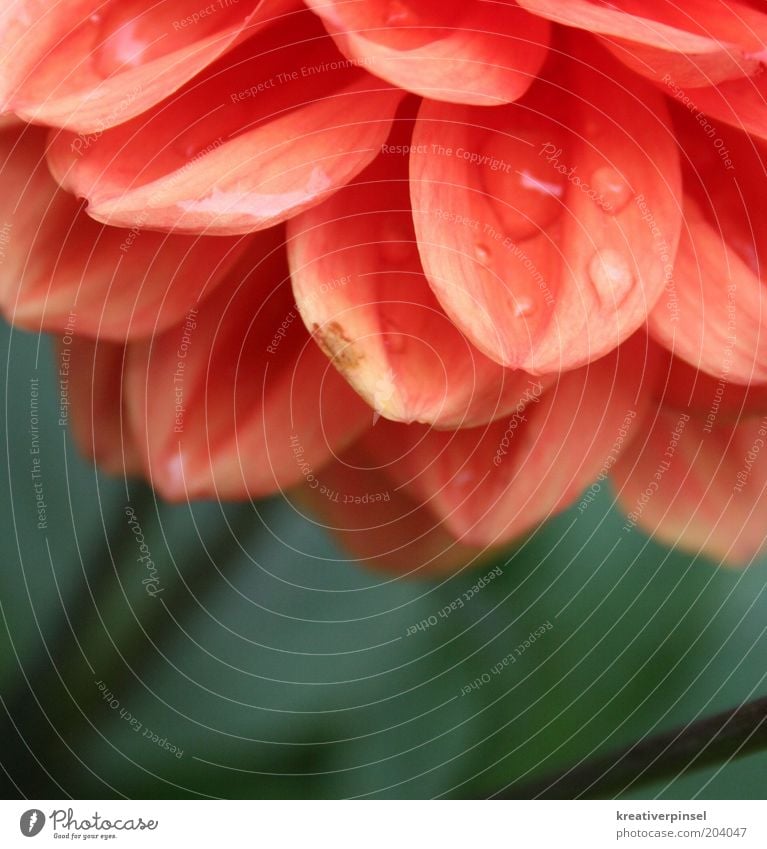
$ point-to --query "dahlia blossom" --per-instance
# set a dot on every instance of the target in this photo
(438, 269)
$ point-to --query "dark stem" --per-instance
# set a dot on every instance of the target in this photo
(711, 741)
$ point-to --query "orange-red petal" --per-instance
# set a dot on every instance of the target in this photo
(713, 313)
(699, 488)
(237, 401)
(271, 129)
(547, 228)
(88, 65)
(359, 285)
(489, 485)
(695, 43)
(59, 263)
(479, 53)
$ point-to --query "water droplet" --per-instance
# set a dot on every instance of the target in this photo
(611, 274)
(523, 309)
(124, 40)
(399, 14)
(520, 173)
(613, 191)
(482, 253)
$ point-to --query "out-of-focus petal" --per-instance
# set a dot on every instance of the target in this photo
(473, 52)
(57, 262)
(687, 389)
(489, 485)
(359, 285)
(90, 374)
(238, 401)
(547, 228)
(694, 43)
(699, 488)
(272, 128)
(713, 314)
(379, 524)
(89, 64)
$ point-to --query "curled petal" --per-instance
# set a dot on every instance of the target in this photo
(378, 523)
(88, 65)
(489, 485)
(698, 487)
(546, 228)
(59, 263)
(237, 401)
(695, 43)
(479, 53)
(713, 313)
(359, 285)
(271, 129)
(93, 370)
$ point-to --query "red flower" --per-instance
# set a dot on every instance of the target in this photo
(529, 235)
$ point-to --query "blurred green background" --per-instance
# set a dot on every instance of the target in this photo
(279, 669)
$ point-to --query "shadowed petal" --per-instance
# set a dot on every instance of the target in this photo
(698, 488)
(237, 401)
(271, 129)
(477, 52)
(58, 262)
(547, 228)
(489, 485)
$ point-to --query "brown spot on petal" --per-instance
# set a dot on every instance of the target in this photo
(337, 346)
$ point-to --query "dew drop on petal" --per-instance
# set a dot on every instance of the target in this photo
(523, 308)
(613, 191)
(399, 14)
(481, 253)
(611, 274)
(526, 188)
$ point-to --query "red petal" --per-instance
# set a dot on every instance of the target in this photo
(57, 261)
(359, 285)
(88, 64)
(483, 53)
(273, 128)
(489, 485)
(90, 383)
(741, 103)
(566, 210)
(238, 401)
(698, 488)
(379, 524)
(694, 43)
(714, 312)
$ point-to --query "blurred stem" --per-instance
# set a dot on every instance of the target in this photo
(733, 733)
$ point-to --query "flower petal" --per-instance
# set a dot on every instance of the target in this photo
(546, 228)
(88, 64)
(480, 53)
(359, 285)
(489, 485)
(714, 312)
(741, 103)
(56, 261)
(698, 42)
(271, 129)
(238, 401)
(91, 373)
(377, 523)
(698, 488)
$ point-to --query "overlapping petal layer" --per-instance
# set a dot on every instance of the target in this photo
(117, 283)
(695, 43)
(714, 311)
(269, 130)
(238, 401)
(88, 65)
(698, 486)
(360, 287)
(474, 52)
(489, 485)
(547, 228)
